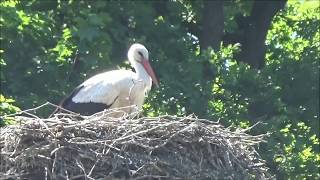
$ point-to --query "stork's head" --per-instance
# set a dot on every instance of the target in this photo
(139, 55)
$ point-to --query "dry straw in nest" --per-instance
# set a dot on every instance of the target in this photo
(68, 146)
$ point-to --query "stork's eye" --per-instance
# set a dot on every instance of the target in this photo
(140, 53)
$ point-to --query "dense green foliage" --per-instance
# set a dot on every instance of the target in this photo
(49, 47)
(7, 107)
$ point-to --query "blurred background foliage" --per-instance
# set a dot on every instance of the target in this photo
(203, 52)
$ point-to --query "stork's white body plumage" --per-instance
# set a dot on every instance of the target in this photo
(115, 89)
(104, 88)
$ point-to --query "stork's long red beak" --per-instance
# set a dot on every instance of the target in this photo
(150, 71)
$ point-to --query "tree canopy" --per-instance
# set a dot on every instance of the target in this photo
(240, 62)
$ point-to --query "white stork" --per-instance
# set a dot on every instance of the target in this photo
(114, 89)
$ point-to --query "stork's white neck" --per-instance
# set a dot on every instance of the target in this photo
(142, 73)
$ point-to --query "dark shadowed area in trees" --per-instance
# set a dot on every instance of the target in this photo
(241, 62)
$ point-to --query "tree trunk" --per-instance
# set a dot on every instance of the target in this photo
(211, 31)
(212, 24)
(160, 7)
(253, 45)
(210, 34)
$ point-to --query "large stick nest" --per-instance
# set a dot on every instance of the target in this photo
(67, 146)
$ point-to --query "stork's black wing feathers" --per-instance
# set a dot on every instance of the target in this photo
(68, 99)
(87, 108)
